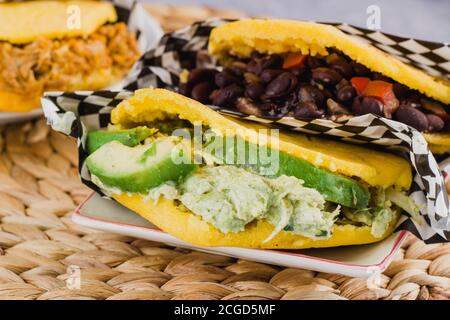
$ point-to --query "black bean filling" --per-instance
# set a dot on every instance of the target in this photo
(317, 87)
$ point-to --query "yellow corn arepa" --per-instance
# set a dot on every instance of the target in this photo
(279, 36)
(374, 168)
(438, 142)
(26, 21)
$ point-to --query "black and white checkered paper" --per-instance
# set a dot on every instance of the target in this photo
(77, 113)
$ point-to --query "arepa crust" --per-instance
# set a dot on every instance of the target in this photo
(149, 105)
(26, 21)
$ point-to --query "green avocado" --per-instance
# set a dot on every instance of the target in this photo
(130, 137)
(335, 188)
(140, 168)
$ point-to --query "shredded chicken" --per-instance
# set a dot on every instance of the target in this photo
(46, 65)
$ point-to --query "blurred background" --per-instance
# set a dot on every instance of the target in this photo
(422, 19)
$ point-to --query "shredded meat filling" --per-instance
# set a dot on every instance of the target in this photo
(46, 65)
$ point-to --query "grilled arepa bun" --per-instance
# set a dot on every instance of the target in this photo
(369, 168)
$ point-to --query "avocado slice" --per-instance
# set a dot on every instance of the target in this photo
(129, 137)
(335, 188)
(140, 168)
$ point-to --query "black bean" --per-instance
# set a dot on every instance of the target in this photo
(185, 89)
(226, 77)
(272, 62)
(435, 123)
(254, 90)
(346, 93)
(326, 76)
(201, 92)
(364, 105)
(281, 85)
(250, 77)
(335, 107)
(254, 66)
(313, 62)
(246, 106)
(359, 69)
(269, 74)
(400, 90)
(267, 106)
(344, 68)
(434, 107)
(201, 74)
(344, 82)
(411, 102)
(412, 117)
(311, 93)
(291, 102)
(227, 95)
(238, 68)
(257, 65)
(308, 110)
(298, 72)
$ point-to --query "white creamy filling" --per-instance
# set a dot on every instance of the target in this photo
(230, 197)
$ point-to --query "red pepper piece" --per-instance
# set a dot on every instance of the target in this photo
(294, 60)
(359, 83)
(383, 91)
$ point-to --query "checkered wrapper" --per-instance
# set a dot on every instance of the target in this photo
(80, 112)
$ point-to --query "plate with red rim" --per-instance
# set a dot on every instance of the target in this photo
(354, 261)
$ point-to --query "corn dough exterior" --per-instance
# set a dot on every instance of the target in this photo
(25, 22)
(373, 167)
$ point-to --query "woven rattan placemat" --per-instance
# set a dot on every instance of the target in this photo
(39, 188)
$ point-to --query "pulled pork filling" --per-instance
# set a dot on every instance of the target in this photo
(45, 65)
(309, 87)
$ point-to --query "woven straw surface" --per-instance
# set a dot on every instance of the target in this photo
(39, 188)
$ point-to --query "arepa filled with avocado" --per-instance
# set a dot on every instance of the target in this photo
(281, 68)
(240, 184)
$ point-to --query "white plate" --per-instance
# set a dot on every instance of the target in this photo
(13, 117)
(355, 261)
